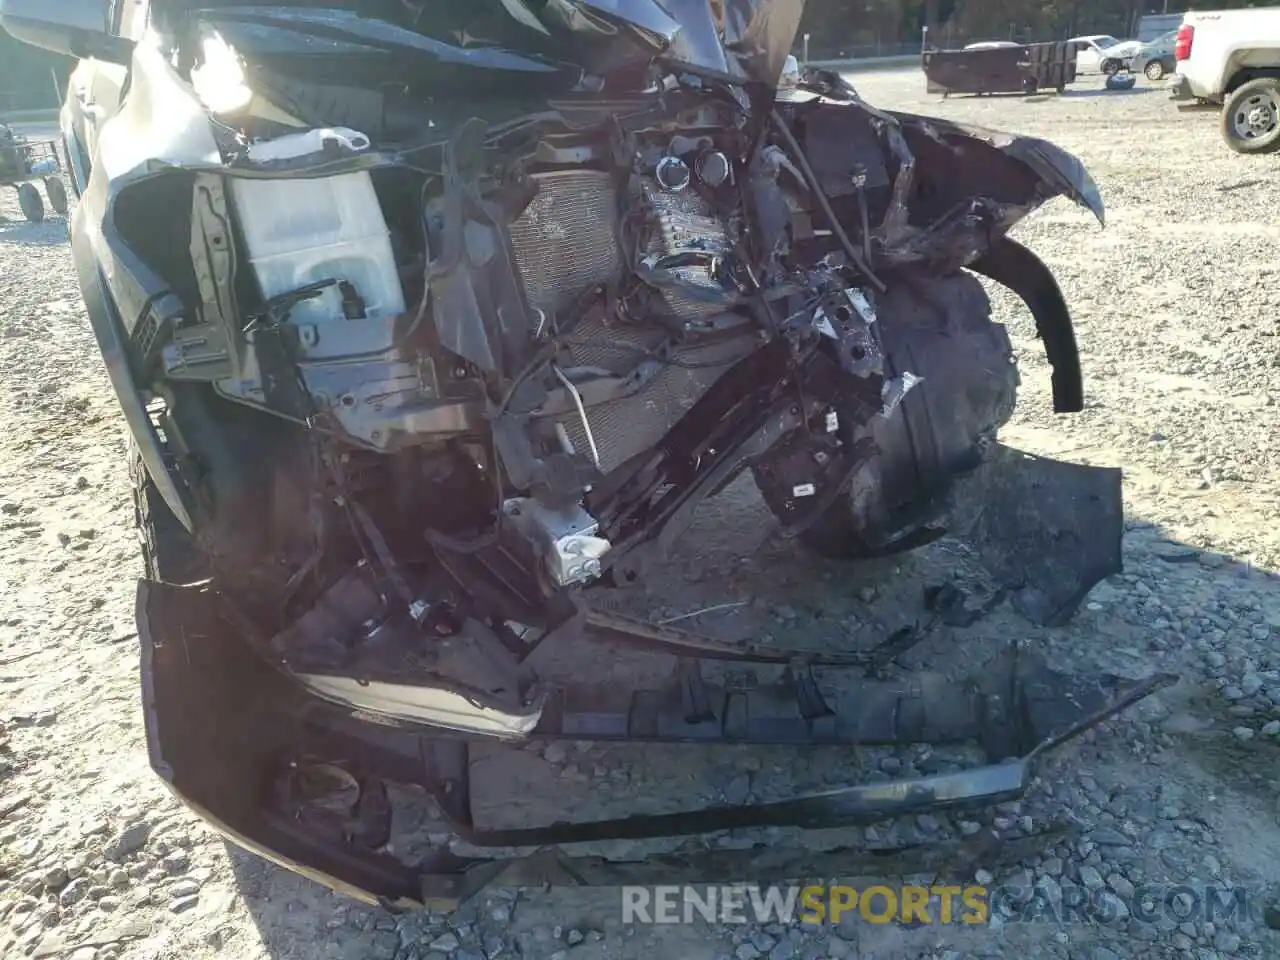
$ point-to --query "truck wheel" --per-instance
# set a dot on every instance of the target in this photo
(1154, 70)
(30, 202)
(1110, 67)
(169, 553)
(1251, 117)
(57, 195)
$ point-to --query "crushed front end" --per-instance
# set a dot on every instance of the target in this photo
(422, 342)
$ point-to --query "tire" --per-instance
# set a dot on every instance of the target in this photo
(1251, 117)
(1110, 67)
(169, 553)
(939, 327)
(57, 195)
(1154, 70)
(30, 202)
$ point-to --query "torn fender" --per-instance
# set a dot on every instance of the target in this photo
(1053, 171)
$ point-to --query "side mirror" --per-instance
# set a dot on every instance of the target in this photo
(73, 28)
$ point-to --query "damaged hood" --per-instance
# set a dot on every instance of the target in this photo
(741, 40)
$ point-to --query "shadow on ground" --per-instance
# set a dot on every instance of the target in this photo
(1073, 93)
(50, 232)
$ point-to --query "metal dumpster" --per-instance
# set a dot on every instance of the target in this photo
(1016, 69)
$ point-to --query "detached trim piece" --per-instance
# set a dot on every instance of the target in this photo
(1012, 265)
(224, 728)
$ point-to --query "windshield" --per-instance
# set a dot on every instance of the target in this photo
(1105, 42)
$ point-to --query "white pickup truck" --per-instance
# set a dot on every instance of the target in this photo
(1232, 57)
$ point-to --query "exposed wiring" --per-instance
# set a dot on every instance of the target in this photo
(582, 413)
(854, 254)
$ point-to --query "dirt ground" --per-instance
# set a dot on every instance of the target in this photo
(1175, 307)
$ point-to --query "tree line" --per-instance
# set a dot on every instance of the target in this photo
(860, 26)
(836, 28)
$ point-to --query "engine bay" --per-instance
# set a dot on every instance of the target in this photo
(479, 355)
(435, 321)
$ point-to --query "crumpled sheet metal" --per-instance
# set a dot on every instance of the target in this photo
(1062, 171)
(959, 237)
(1058, 173)
(219, 720)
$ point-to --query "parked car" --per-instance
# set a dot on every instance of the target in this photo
(1101, 53)
(1156, 59)
(1232, 57)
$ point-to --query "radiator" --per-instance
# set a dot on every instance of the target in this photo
(566, 240)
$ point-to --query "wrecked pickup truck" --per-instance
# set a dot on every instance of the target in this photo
(429, 320)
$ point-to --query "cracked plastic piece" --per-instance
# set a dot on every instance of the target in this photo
(194, 666)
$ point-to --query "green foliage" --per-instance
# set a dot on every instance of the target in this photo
(862, 25)
(837, 27)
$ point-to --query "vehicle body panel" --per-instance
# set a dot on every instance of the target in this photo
(385, 515)
(1094, 48)
(1161, 48)
(1229, 48)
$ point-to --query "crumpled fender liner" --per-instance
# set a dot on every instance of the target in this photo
(1012, 265)
(223, 726)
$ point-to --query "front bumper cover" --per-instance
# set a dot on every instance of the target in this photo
(220, 722)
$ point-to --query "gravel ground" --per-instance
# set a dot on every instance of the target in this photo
(1177, 335)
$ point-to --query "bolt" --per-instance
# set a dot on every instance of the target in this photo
(820, 457)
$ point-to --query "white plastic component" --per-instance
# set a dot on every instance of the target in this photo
(309, 141)
(305, 230)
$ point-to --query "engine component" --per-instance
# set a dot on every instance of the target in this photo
(713, 168)
(566, 239)
(564, 538)
(684, 223)
(672, 383)
(672, 174)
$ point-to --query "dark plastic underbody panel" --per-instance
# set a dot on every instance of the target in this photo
(222, 724)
